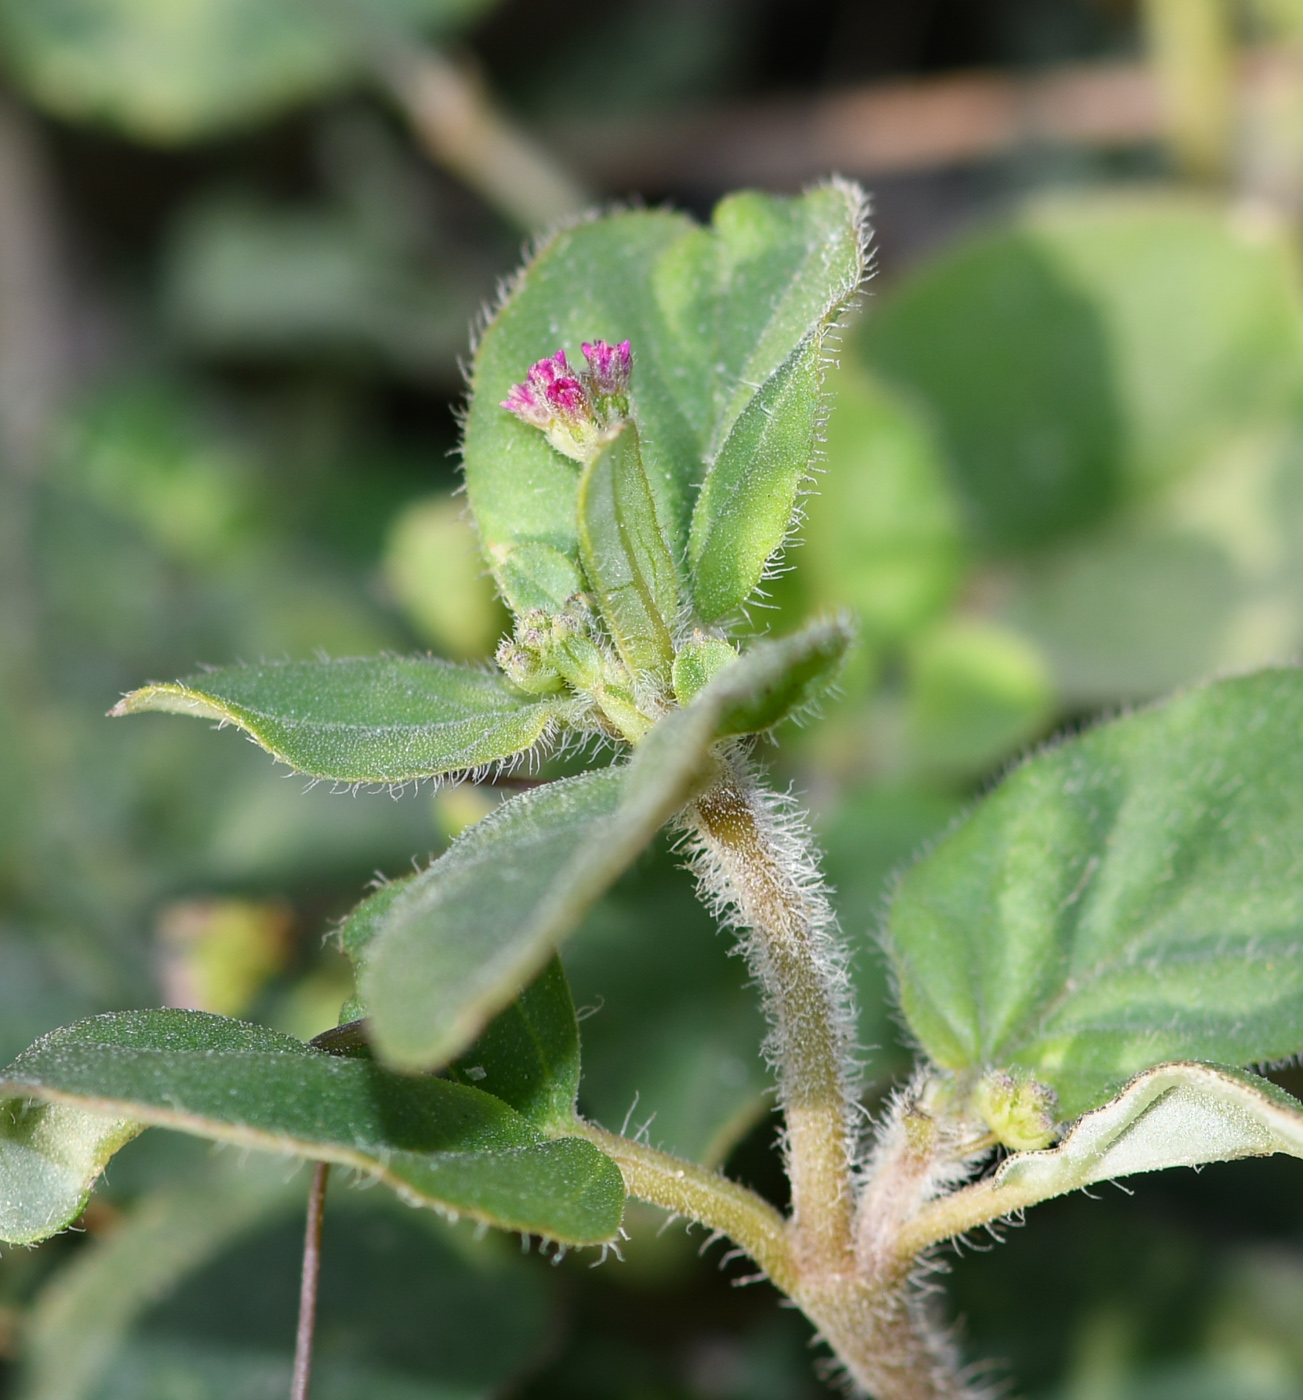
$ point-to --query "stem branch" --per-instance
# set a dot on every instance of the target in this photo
(704, 1196)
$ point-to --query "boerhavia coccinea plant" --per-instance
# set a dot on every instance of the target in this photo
(1083, 963)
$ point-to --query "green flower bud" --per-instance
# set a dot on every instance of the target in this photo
(697, 663)
(1018, 1110)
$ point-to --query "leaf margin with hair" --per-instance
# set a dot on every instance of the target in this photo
(492, 1164)
(1073, 866)
(483, 722)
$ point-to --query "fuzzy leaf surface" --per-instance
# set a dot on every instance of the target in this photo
(1130, 897)
(626, 558)
(1182, 1114)
(528, 1055)
(713, 314)
(746, 505)
(775, 680)
(374, 720)
(435, 1142)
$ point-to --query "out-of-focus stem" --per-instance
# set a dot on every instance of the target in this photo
(1192, 54)
(460, 127)
(311, 1277)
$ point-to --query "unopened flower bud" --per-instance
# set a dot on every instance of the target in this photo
(1018, 1110)
(526, 670)
(609, 368)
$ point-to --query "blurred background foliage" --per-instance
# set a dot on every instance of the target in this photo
(241, 243)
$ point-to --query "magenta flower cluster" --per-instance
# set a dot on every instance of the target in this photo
(577, 410)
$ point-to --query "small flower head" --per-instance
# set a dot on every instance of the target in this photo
(609, 368)
(577, 412)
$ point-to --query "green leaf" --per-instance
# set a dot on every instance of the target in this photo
(713, 315)
(1129, 897)
(461, 939)
(378, 720)
(625, 556)
(528, 1055)
(177, 72)
(436, 1143)
(778, 680)
(1091, 348)
(882, 531)
(745, 508)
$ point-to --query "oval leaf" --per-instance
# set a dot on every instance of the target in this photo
(712, 315)
(435, 1142)
(376, 720)
(1130, 897)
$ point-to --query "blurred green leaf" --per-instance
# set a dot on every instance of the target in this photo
(977, 692)
(713, 313)
(625, 557)
(434, 569)
(194, 68)
(1091, 349)
(882, 529)
(186, 1297)
(268, 283)
(436, 1143)
(78, 1324)
(1126, 898)
(1204, 577)
(384, 720)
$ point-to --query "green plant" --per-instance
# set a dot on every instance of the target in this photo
(1083, 963)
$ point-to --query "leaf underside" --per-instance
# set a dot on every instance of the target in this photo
(376, 720)
(1183, 1114)
(1129, 897)
(76, 1095)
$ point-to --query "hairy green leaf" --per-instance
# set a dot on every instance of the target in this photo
(744, 511)
(435, 1142)
(1129, 897)
(176, 72)
(377, 720)
(625, 556)
(777, 680)
(461, 939)
(713, 315)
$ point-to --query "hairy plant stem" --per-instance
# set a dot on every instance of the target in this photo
(749, 871)
(699, 1194)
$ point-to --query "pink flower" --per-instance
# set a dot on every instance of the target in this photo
(576, 412)
(609, 368)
